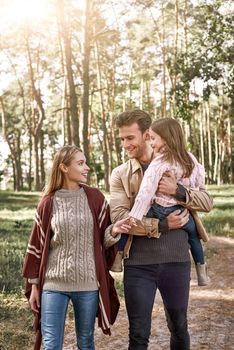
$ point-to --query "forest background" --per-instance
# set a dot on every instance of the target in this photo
(67, 68)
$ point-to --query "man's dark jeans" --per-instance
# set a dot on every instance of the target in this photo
(140, 285)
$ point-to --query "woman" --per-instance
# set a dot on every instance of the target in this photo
(70, 250)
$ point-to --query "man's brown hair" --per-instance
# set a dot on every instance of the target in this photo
(130, 117)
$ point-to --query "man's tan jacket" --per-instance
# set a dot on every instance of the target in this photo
(124, 186)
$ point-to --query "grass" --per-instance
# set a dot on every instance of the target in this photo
(15, 322)
(220, 221)
(15, 201)
(16, 217)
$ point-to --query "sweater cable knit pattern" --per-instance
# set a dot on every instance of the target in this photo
(71, 264)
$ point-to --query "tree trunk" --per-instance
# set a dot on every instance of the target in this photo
(38, 116)
(30, 162)
(66, 41)
(14, 146)
(209, 146)
(174, 79)
(216, 154)
(129, 103)
(201, 137)
(42, 165)
(105, 141)
(141, 93)
(164, 101)
(229, 147)
(205, 144)
(36, 164)
(194, 133)
(86, 80)
(18, 167)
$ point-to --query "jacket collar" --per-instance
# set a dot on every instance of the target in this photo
(136, 164)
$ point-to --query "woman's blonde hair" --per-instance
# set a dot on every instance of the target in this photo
(175, 150)
(63, 156)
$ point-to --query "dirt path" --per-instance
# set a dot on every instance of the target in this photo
(211, 310)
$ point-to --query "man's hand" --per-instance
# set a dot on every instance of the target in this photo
(167, 184)
(177, 219)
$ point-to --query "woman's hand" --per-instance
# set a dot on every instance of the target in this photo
(122, 226)
(34, 298)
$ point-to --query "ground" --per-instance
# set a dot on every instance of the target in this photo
(211, 310)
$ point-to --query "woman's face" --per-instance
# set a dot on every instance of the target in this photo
(77, 170)
(156, 141)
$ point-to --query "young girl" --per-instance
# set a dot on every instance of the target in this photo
(70, 250)
(167, 141)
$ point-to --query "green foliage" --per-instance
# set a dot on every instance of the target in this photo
(16, 214)
(15, 315)
(143, 53)
(13, 241)
(14, 201)
(15, 323)
(220, 221)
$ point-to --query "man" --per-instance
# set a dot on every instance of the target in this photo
(157, 253)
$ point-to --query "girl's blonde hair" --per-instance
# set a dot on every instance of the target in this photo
(63, 156)
(175, 150)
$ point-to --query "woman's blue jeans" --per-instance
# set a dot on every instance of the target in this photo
(53, 314)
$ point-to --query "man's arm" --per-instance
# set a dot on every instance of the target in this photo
(120, 205)
(198, 200)
(119, 201)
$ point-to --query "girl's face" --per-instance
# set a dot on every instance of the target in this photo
(156, 141)
(77, 170)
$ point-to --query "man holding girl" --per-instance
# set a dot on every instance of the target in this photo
(156, 255)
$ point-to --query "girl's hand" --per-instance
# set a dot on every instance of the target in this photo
(34, 298)
(122, 226)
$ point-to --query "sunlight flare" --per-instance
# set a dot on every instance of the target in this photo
(17, 12)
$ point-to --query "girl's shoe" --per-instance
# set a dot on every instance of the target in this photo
(202, 278)
(117, 265)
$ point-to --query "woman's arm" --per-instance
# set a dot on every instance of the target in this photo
(113, 232)
(120, 205)
(36, 242)
(34, 299)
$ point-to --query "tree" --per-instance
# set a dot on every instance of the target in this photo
(65, 34)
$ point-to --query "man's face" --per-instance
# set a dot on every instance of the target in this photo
(133, 141)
